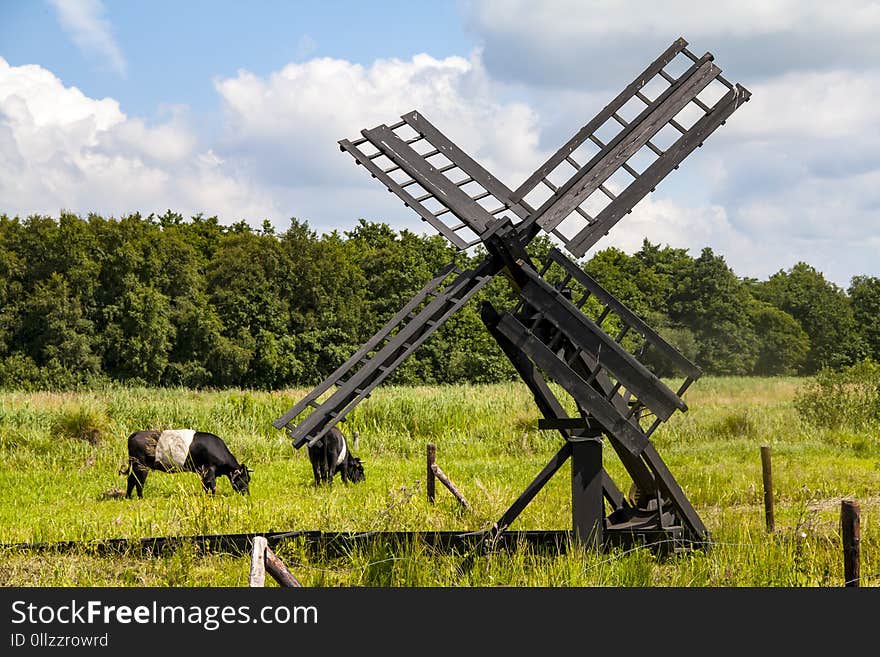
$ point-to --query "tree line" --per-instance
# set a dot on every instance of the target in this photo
(168, 301)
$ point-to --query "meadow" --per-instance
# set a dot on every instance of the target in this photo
(60, 454)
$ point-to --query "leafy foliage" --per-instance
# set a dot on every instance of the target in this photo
(168, 301)
(822, 309)
(845, 398)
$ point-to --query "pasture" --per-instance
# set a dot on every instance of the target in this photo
(60, 454)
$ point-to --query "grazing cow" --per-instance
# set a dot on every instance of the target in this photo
(182, 450)
(331, 455)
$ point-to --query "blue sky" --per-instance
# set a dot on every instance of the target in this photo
(171, 51)
(234, 109)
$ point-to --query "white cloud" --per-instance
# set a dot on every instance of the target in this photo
(276, 157)
(812, 105)
(598, 43)
(287, 126)
(60, 149)
(574, 19)
(91, 32)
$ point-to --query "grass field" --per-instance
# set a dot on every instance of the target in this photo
(60, 453)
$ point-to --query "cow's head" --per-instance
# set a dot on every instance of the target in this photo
(356, 470)
(241, 478)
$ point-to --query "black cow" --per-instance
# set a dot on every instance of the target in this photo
(331, 455)
(182, 450)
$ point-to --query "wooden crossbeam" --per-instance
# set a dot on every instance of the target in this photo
(383, 363)
(587, 336)
(466, 163)
(400, 191)
(681, 363)
(369, 345)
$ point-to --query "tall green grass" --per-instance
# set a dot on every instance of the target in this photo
(59, 482)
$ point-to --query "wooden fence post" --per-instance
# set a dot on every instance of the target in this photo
(449, 485)
(434, 472)
(852, 537)
(257, 576)
(279, 572)
(431, 484)
(768, 487)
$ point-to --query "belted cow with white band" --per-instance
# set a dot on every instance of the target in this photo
(183, 450)
(330, 455)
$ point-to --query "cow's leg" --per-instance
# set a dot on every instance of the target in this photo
(326, 474)
(137, 476)
(209, 479)
(316, 471)
(131, 478)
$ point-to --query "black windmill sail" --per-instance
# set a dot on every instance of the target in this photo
(595, 351)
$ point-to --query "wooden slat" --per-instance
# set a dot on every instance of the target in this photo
(383, 363)
(583, 333)
(629, 317)
(582, 392)
(594, 124)
(403, 195)
(444, 190)
(572, 423)
(658, 170)
(370, 344)
(464, 162)
(588, 179)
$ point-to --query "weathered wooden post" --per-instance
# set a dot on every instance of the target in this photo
(435, 473)
(852, 537)
(257, 576)
(446, 481)
(279, 572)
(768, 487)
(431, 483)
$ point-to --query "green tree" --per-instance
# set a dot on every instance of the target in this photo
(864, 294)
(711, 301)
(11, 273)
(139, 333)
(55, 330)
(782, 344)
(244, 284)
(822, 309)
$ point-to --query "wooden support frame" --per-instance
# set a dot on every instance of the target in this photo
(587, 500)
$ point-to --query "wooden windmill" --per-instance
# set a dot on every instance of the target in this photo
(595, 351)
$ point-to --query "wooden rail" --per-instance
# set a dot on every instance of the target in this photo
(331, 544)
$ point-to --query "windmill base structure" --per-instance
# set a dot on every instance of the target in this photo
(565, 328)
